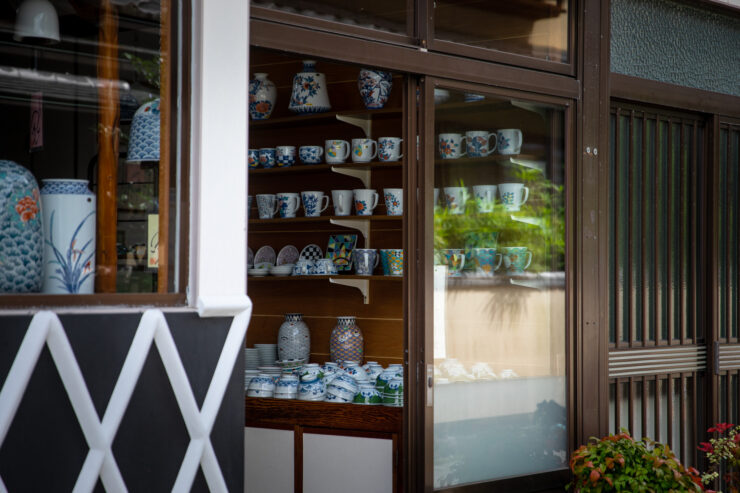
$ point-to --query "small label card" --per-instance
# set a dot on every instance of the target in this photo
(152, 244)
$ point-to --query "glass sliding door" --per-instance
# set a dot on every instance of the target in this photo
(499, 323)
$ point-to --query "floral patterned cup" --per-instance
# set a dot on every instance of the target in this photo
(336, 151)
(366, 200)
(455, 260)
(364, 150)
(393, 201)
(479, 143)
(313, 203)
(516, 259)
(451, 146)
(389, 149)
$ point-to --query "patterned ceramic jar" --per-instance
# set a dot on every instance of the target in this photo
(262, 95)
(21, 233)
(368, 395)
(294, 338)
(375, 87)
(346, 342)
(309, 93)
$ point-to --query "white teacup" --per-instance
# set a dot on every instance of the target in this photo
(364, 150)
(313, 203)
(456, 197)
(451, 146)
(513, 195)
(509, 141)
(336, 151)
(366, 200)
(389, 149)
(479, 143)
(342, 200)
(485, 197)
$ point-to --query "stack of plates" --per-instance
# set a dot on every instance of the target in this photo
(251, 358)
(273, 371)
(248, 376)
(267, 354)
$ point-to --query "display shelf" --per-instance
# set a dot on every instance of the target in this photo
(493, 158)
(318, 219)
(329, 116)
(320, 168)
(324, 278)
(290, 413)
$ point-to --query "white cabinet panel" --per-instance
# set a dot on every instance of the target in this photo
(268, 460)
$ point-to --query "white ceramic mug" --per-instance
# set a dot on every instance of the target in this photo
(313, 203)
(336, 151)
(479, 143)
(509, 141)
(285, 155)
(342, 200)
(366, 200)
(389, 149)
(393, 201)
(513, 195)
(485, 197)
(451, 146)
(455, 197)
(364, 150)
(266, 205)
(288, 204)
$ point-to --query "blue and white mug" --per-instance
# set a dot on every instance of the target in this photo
(513, 195)
(365, 261)
(509, 141)
(324, 267)
(266, 205)
(288, 204)
(479, 143)
(313, 203)
(389, 149)
(393, 201)
(254, 158)
(310, 154)
(267, 157)
(303, 267)
(285, 156)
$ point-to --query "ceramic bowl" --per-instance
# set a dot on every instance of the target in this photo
(335, 398)
(262, 382)
(346, 382)
(284, 395)
(259, 393)
(340, 393)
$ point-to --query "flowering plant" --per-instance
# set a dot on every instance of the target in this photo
(724, 446)
(621, 463)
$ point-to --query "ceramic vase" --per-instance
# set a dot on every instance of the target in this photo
(262, 96)
(375, 87)
(346, 342)
(69, 237)
(21, 234)
(309, 93)
(294, 338)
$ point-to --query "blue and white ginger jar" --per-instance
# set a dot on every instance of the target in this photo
(309, 94)
(262, 97)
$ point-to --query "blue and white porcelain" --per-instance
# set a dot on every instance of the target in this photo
(314, 203)
(513, 195)
(288, 204)
(312, 369)
(253, 158)
(21, 232)
(393, 201)
(346, 382)
(303, 267)
(288, 386)
(294, 338)
(479, 143)
(389, 149)
(262, 96)
(357, 372)
(143, 142)
(309, 93)
(311, 388)
(368, 395)
(310, 154)
(261, 386)
(285, 156)
(324, 267)
(267, 157)
(365, 261)
(375, 87)
(509, 141)
(69, 237)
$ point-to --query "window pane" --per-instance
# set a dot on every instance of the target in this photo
(536, 28)
(84, 97)
(384, 15)
(499, 289)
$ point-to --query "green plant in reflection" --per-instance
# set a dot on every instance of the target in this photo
(539, 225)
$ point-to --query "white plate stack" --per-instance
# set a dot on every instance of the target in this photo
(267, 354)
(251, 358)
(273, 371)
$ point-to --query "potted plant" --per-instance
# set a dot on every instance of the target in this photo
(621, 463)
(723, 452)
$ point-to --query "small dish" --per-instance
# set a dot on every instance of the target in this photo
(311, 252)
(287, 255)
(250, 257)
(265, 254)
(258, 272)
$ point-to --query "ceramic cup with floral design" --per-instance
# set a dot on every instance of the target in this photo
(336, 151)
(509, 141)
(513, 195)
(393, 201)
(365, 261)
(288, 204)
(389, 149)
(391, 259)
(310, 154)
(516, 259)
(366, 200)
(313, 203)
(486, 260)
(455, 260)
(485, 197)
(479, 143)
(267, 157)
(455, 197)
(451, 146)
(364, 150)
(266, 205)
(254, 158)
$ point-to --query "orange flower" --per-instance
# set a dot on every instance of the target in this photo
(263, 107)
(26, 208)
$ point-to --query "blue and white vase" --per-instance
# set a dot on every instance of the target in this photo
(69, 237)
(262, 96)
(143, 143)
(294, 338)
(21, 233)
(375, 87)
(309, 94)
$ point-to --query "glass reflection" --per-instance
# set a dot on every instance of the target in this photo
(499, 289)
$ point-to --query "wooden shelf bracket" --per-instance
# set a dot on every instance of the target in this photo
(362, 174)
(365, 122)
(362, 284)
(361, 225)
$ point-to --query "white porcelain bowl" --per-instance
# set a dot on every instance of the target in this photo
(340, 392)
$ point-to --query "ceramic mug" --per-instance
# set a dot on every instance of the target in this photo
(456, 197)
(310, 154)
(285, 155)
(513, 195)
(324, 267)
(336, 151)
(509, 141)
(303, 267)
(342, 200)
(267, 157)
(366, 200)
(288, 204)
(250, 198)
(451, 146)
(266, 205)
(455, 260)
(254, 158)
(393, 201)
(313, 203)
(486, 260)
(485, 197)
(364, 150)
(516, 259)
(389, 149)
(365, 261)
(391, 260)
(479, 143)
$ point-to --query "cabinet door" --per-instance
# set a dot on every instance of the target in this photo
(497, 328)
(268, 460)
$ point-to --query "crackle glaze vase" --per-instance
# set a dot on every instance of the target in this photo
(346, 342)
(21, 232)
(294, 338)
(69, 237)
